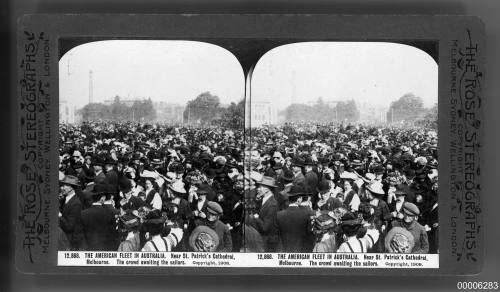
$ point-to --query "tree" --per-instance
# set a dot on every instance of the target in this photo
(119, 111)
(407, 108)
(347, 111)
(204, 108)
(234, 115)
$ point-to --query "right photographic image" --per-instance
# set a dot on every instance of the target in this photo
(342, 149)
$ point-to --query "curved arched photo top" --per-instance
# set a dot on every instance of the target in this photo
(372, 74)
(168, 72)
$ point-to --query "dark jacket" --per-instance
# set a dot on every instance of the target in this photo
(311, 180)
(295, 229)
(70, 222)
(97, 227)
(267, 223)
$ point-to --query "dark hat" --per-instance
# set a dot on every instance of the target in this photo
(129, 220)
(409, 172)
(278, 165)
(401, 190)
(70, 180)
(323, 222)
(78, 165)
(203, 189)
(350, 222)
(214, 208)
(378, 169)
(288, 175)
(125, 185)
(298, 190)
(99, 160)
(323, 186)
(309, 161)
(298, 162)
(399, 240)
(267, 181)
(100, 189)
(109, 160)
(154, 217)
(410, 209)
(204, 239)
(211, 173)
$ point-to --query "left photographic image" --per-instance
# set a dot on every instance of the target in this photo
(151, 136)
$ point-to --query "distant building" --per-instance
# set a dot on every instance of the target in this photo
(263, 113)
(126, 101)
(372, 114)
(169, 112)
(66, 112)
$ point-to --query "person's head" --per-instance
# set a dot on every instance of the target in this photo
(265, 186)
(108, 166)
(262, 190)
(350, 224)
(296, 168)
(97, 168)
(410, 212)
(324, 188)
(347, 185)
(65, 189)
(214, 211)
(148, 184)
(67, 185)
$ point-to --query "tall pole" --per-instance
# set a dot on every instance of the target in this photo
(91, 88)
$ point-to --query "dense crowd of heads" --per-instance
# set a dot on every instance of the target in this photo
(294, 188)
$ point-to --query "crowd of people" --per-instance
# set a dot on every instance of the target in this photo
(150, 187)
(342, 188)
(289, 188)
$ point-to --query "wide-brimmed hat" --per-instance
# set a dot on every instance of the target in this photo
(297, 190)
(399, 240)
(204, 239)
(177, 187)
(375, 188)
(267, 181)
(70, 180)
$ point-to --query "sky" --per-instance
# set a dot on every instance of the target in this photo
(178, 71)
(169, 71)
(372, 72)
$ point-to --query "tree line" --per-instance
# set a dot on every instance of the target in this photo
(140, 110)
(345, 111)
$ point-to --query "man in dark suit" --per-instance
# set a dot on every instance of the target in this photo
(294, 223)
(100, 177)
(111, 174)
(70, 215)
(298, 177)
(311, 178)
(266, 220)
(98, 223)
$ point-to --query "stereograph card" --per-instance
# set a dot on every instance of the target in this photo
(249, 144)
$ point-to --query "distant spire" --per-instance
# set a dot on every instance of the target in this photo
(91, 88)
